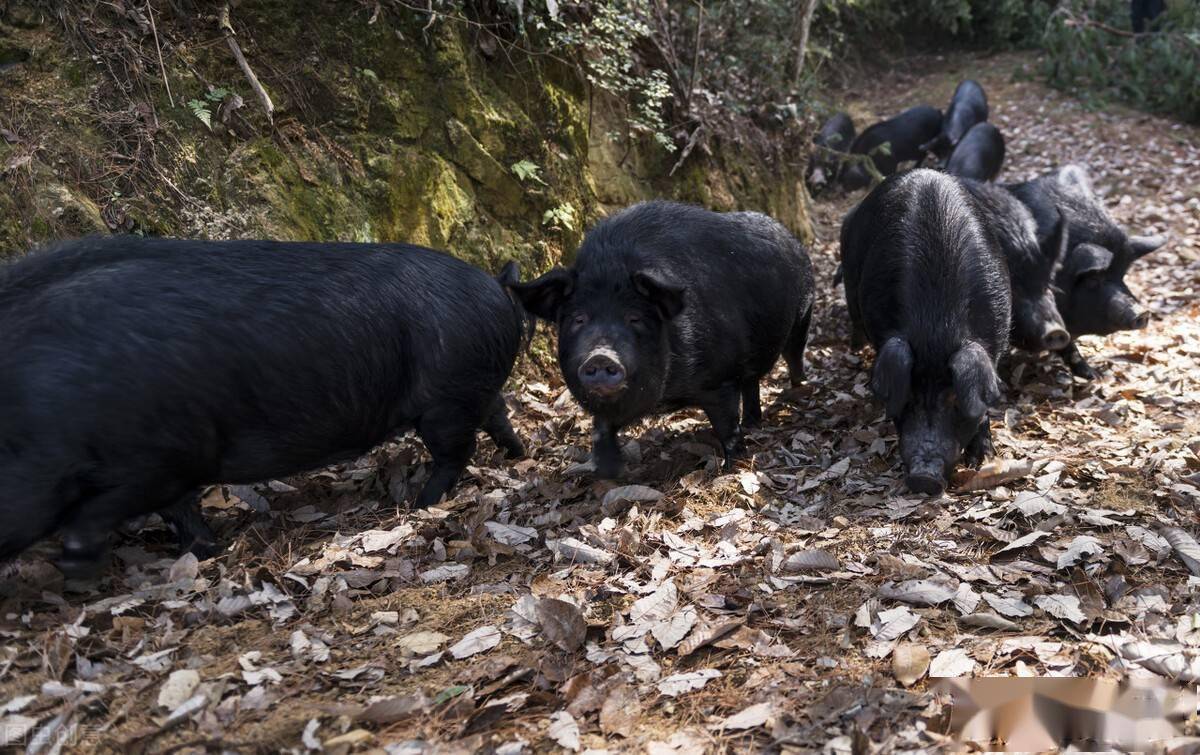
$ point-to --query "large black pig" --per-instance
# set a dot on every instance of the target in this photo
(979, 155)
(904, 136)
(670, 305)
(137, 371)
(1091, 291)
(1036, 322)
(968, 107)
(832, 141)
(927, 285)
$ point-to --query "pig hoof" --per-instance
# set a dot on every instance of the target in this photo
(203, 550)
(608, 470)
(927, 484)
(79, 566)
(1082, 370)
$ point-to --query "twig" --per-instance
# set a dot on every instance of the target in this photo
(157, 46)
(1085, 21)
(687, 150)
(695, 68)
(265, 98)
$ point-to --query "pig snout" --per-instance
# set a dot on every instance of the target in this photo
(1127, 315)
(925, 476)
(1055, 337)
(602, 373)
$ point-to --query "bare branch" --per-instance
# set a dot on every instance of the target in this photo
(227, 29)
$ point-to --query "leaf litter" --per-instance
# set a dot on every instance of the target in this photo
(805, 598)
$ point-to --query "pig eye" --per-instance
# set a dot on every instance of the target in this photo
(633, 319)
(579, 319)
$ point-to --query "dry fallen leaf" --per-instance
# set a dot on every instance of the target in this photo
(909, 663)
(1185, 546)
(564, 730)
(677, 684)
(620, 712)
(482, 639)
(993, 474)
(749, 718)
(952, 663)
(562, 623)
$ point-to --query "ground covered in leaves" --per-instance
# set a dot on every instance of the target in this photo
(800, 603)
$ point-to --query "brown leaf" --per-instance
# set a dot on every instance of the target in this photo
(707, 633)
(392, 709)
(620, 711)
(909, 663)
(1185, 546)
(562, 623)
(993, 474)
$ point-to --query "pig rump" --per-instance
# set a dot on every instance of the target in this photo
(139, 370)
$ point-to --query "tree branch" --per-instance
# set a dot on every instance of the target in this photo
(227, 29)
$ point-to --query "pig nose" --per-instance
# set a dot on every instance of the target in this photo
(602, 375)
(923, 482)
(1140, 320)
(1056, 338)
(925, 476)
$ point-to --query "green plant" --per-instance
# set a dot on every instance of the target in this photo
(561, 217)
(527, 171)
(202, 108)
(1086, 49)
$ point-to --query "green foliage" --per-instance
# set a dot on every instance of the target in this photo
(1157, 71)
(527, 171)
(200, 109)
(862, 24)
(561, 217)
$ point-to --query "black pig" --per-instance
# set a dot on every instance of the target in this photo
(1091, 291)
(835, 136)
(979, 155)
(904, 134)
(669, 306)
(1036, 322)
(140, 370)
(927, 285)
(968, 106)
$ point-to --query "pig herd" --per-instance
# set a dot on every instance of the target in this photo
(137, 371)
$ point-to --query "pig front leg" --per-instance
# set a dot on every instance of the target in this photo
(723, 413)
(980, 447)
(606, 450)
(1079, 366)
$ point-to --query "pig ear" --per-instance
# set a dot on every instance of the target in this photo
(1056, 246)
(976, 384)
(1143, 245)
(891, 377)
(667, 296)
(1086, 258)
(1075, 177)
(544, 296)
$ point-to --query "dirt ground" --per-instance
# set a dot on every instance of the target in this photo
(782, 607)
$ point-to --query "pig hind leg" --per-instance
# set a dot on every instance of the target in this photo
(27, 513)
(498, 427)
(722, 411)
(751, 403)
(980, 447)
(450, 439)
(191, 530)
(85, 533)
(793, 350)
